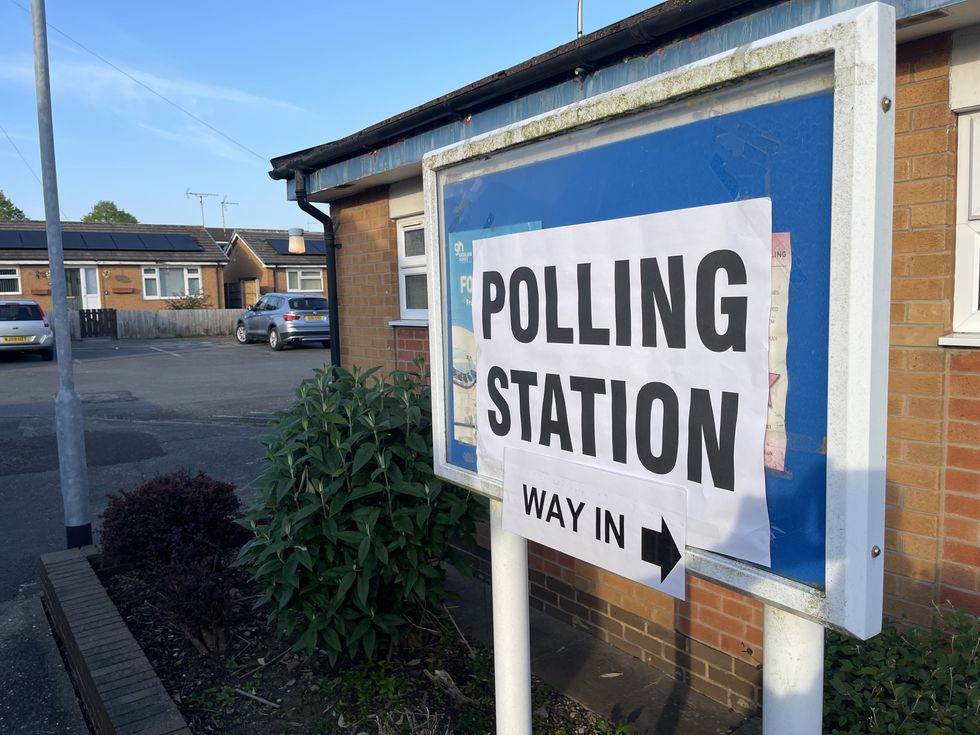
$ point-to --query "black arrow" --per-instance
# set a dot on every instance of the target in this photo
(659, 548)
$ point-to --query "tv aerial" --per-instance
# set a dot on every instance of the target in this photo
(200, 196)
(224, 207)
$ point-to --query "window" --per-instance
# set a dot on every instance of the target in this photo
(165, 283)
(304, 280)
(966, 294)
(412, 285)
(310, 304)
(9, 281)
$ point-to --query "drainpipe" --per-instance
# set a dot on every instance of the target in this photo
(299, 178)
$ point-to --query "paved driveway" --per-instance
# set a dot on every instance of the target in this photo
(150, 406)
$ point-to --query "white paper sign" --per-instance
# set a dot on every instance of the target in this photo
(640, 346)
(617, 522)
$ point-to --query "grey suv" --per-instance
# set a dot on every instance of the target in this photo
(25, 328)
(285, 318)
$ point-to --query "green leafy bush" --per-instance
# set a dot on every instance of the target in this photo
(190, 301)
(905, 680)
(351, 525)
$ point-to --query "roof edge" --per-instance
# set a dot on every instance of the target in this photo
(651, 27)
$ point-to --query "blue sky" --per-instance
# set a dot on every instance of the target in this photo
(275, 77)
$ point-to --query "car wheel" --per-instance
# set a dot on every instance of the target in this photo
(47, 355)
(275, 341)
(241, 334)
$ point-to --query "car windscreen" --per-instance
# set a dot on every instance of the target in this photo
(20, 313)
(308, 304)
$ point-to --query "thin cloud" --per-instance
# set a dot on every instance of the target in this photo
(192, 136)
(102, 84)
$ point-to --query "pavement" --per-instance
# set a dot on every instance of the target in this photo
(36, 694)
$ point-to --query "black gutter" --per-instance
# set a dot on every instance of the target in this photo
(635, 35)
(333, 308)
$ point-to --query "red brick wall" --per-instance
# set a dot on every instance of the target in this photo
(712, 641)
(933, 492)
(121, 286)
(960, 571)
(367, 279)
(410, 343)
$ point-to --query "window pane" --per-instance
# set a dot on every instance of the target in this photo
(171, 281)
(310, 281)
(9, 283)
(292, 280)
(150, 286)
(193, 285)
(415, 292)
(414, 242)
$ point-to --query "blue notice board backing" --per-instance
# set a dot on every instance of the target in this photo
(780, 150)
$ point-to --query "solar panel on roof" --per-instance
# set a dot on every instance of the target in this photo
(35, 239)
(183, 243)
(154, 241)
(72, 241)
(313, 247)
(9, 239)
(159, 241)
(98, 241)
(127, 241)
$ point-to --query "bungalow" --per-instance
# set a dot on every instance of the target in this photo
(259, 261)
(113, 266)
(372, 181)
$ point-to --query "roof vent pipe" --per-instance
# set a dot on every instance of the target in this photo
(299, 179)
(297, 243)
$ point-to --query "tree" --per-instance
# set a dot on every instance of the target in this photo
(8, 212)
(106, 211)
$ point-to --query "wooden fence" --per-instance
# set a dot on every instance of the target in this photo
(98, 323)
(169, 323)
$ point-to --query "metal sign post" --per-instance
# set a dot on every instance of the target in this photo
(511, 632)
(68, 404)
(685, 281)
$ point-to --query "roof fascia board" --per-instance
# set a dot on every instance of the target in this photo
(353, 173)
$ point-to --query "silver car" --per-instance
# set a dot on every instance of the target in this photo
(284, 319)
(25, 328)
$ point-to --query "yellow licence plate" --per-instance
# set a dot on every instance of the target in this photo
(314, 318)
(16, 339)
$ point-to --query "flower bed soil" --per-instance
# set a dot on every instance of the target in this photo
(437, 684)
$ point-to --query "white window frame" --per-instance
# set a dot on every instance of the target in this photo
(152, 273)
(300, 274)
(410, 266)
(15, 274)
(966, 271)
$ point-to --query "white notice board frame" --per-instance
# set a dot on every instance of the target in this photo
(861, 45)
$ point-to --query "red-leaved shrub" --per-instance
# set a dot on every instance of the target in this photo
(170, 516)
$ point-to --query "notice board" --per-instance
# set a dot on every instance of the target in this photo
(780, 128)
